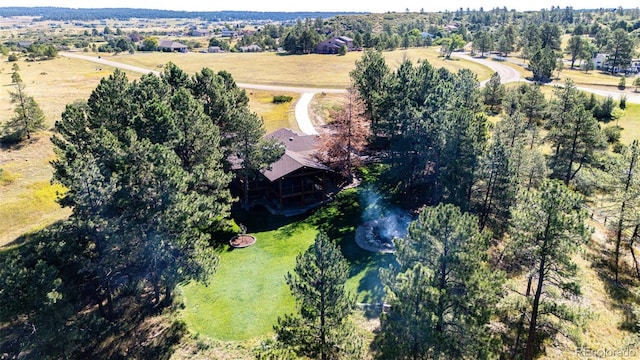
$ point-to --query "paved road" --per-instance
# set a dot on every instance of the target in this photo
(302, 114)
(509, 74)
(302, 107)
(103, 61)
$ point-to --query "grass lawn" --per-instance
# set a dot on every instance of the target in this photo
(630, 123)
(249, 292)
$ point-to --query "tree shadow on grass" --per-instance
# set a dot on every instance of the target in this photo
(339, 221)
(72, 326)
(622, 294)
(259, 219)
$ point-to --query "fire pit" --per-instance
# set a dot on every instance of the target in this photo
(377, 235)
(242, 241)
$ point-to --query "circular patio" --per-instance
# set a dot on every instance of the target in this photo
(242, 241)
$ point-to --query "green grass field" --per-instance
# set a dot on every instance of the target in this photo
(248, 292)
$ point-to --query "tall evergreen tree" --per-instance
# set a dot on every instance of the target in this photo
(574, 135)
(626, 199)
(620, 46)
(493, 91)
(143, 166)
(542, 64)
(321, 329)
(370, 78)
(483, 42)
(547, 229)
(442, 292)
(28, 117)
(574, 48)
(252, 151)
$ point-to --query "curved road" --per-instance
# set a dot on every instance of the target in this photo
(507, 75)
(302, 106)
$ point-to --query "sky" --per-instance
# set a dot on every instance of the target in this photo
(377, 6)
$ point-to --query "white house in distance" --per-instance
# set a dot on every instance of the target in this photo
(600, 63)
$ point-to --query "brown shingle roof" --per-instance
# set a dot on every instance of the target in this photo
(299, 150)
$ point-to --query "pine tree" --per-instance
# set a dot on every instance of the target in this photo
(575, 48)
(28, 117)
(626, 197)
(144, 170)
(252, 150)
(321, 329)
(575, 140)
(547, 229)
(442, 293)
(493, 92)
(370, 78)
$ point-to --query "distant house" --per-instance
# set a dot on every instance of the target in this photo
(250, 48)
(215, 49)
(229, 33)
(600, 63)
(24, 44)
(426, 34)
(599, 60)
(333, 45)
(451, 27)
(296, 182)
(170, 46)
(204, 33)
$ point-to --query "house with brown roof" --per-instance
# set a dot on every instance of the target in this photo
(170, 46)
(295, 183)
(333, 45)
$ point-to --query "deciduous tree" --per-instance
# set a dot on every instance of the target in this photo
(347, 136)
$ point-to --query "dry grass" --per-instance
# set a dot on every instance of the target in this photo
(321, 71)
(27, 201)
(604, 331)
(275, 116)
(323, 105)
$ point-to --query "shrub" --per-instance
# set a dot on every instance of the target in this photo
(622, 84)
(604, 110)
(612, 133)
(618, 148)
(12, 57)
(279, 99)
(623, 102)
